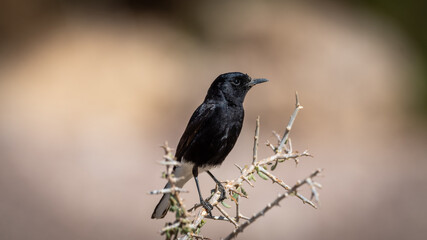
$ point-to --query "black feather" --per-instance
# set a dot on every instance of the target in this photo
(212, 131)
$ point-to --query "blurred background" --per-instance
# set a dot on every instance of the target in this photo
(89, 90)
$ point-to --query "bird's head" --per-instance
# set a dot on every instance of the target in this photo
(232, 86)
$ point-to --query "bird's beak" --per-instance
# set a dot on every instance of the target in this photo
(257, 81)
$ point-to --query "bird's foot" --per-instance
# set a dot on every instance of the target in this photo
(223, 194)
(206, 205)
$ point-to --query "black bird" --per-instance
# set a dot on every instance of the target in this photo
(211, 133)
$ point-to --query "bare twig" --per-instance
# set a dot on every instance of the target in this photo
(255, 151)
(168, 190)
(283, 184)
(239, 167)
(238, 209)
(285, 137)
(227, 216)
(238, 193)
(169, 227)
(195, 236)
(279, 139)
(269, 206)
(171, 162)
(222, 218)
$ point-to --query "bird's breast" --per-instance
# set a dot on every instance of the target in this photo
(216, 139)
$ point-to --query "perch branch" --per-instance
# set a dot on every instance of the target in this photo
(269, 206)
(188, 223)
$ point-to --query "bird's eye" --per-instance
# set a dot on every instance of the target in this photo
(236, 82)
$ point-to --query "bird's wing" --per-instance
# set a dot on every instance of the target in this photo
(197, 121)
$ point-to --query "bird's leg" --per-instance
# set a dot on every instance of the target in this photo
(205, 204)
(220, 187)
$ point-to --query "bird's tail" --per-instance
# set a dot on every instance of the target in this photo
(163, 205)
(185, 173)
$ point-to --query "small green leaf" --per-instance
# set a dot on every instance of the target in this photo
(186, 228)
(262, 175)
(173, 200)
(235, 195)
(274, 166)
(252, 177)
(243, 191)
(173, 208)
(225, 204)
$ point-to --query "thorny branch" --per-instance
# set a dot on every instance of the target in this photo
(269, 206)
(187, 225)
(182, 224)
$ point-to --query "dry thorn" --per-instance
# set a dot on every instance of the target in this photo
(271, 146)
(238, 193)
(243, 217)
(274, 178)
(290, 149)
(170, 163)
(247, 180)
(277, 136)
(219, 218)
(196, 236)
(256, 137)
(197, 205)
(285, 137)
(167, 190)
(225, 214)
(169, 227)
(239, 167)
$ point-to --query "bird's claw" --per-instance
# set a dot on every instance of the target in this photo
(223, 194)
(207, 206)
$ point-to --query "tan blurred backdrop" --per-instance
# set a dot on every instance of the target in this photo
(89, 93)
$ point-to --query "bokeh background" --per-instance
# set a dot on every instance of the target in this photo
(89, 90)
